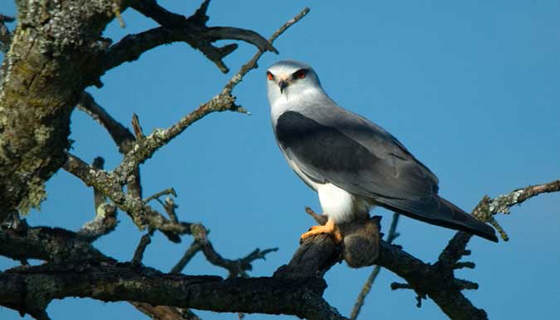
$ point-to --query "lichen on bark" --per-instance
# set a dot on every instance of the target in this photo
(52, 58)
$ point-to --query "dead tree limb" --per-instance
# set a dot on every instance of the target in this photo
(56, 51)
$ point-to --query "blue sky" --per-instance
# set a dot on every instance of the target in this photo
(471, 88)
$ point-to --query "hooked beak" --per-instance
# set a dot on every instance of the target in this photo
(282, 84)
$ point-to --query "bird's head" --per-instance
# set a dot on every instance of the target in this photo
(290, 78)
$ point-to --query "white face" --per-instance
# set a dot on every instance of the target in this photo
(288, 80)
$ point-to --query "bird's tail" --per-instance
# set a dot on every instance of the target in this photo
(466, 222)
(443, 213)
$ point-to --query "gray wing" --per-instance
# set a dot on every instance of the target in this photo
(336, 146)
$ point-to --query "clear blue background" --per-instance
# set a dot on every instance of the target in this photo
(472, 88)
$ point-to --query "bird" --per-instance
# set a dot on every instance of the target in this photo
(352, 163)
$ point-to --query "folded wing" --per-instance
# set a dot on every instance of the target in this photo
(347, 150)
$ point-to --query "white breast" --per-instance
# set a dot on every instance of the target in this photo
(337, 203)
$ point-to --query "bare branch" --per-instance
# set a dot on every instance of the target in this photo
(399, 285)
(145, 148)
(128, 170)
(170, 206)
(435, 281)
(4, 18)
(466, 285)
(155, 196)
(98, 197)
(112, 281)
(44, 243)
(145, 240)
(142, 214)
(175, 27)
(364, 292)
(466, 264)
(314, 257)
(5, 34)
(59, 245)
(235, 267)
(189, 254)
(319, 218)
(200, 16)
(454, 250)
(121, 135)
(224, 101)
(487, 207)
(132, 46)
(105, 219)
(252, 64)
(484, 211)
(138, 132)
(504, 202)
(63, 246)
(167, 312)
(164, 312)
(449, 297)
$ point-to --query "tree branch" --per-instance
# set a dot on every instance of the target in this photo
(235, 267)
(448, 295)
(145, 240)
(434, 281)
(122, 137)
(50, 62)
(111, 281)
(224, 101)
(142, 214)
(294, 289)
(48, 72)
(164, 312)
(110, 183)
(61, 246)
(503, 203)
(105, 219)
(487, 207)
(187, 256)
(44, 243)
(5, 34)
(156, 196)
(175, 27)
(40, 99)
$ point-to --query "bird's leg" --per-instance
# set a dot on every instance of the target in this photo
(329, 228)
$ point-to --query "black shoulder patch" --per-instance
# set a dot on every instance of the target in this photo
(321, 148)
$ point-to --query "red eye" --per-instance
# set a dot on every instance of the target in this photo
(300, 74)
(269, 76)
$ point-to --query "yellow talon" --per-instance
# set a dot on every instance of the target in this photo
(329, 228)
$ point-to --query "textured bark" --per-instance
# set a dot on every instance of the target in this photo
(295, 288)
(52, 59)
(30, 289)
(112, 281)
(54, 53)
(44, 243)
(434, 280)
